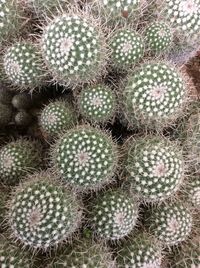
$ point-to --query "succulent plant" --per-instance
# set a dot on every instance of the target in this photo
(13, 256)
(97, 103)
(74, 48)
(154, 166)
(127, 48)
(42, 213)
(158, 37)
(85, 157)
(17, 158)
(10, 19)
(83, 253)
(113, 214)
(154, 96)
(138, 251)
(23, 119)
(22, 101)
(24, 66)
(170, 223)
(5, 114)
(193, 191)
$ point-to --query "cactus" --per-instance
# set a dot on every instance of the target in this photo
(13, 256)
(170, 223)
(83, 253)
(23, 119)
(140, 250)
(85, 157)
(5, 114)
(42, 213)
(24, 66)
(158, 37)
(57, 117)
(10, 19)
(193, 192)
(127, 48)
(113, 214)
(17, 158)
(97, 103)
(74, 48)
(22, 101)
(154, 167)
(154, 96)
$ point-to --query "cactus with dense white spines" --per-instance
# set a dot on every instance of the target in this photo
(24, 66)
(42, 213)
(154, 167)
(97, 103)
(192, 192)
(127, 48)
(139, 251)
(170, 223)
(86, 158)
(57, 117)
(113, 214)
(17, 158)
(74, 48)
(154, 96)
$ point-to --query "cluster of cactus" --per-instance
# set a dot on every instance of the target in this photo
(99, 145)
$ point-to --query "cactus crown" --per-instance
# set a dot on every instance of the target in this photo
(86, 158)
(42, 213)
(155, 167)
(113, 214)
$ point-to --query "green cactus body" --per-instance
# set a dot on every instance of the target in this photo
(11, 256)
(5, 114)
(18, 158)
(154, 96)
(113, 214)
(127, 48)
(97, 103)
(23, 65)
(10, 19)
(74, 49)
(193, 192)
(170, 223)
(57, 117)
(86, 158)
(158, 37)
(42, 213)
(84, 253)
(139, 251)
(154, 167)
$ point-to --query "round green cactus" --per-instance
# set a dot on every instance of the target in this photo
(85, 157)
(113, 214)
(10, 19)
(74, 49)
(97, 103)
(170, 223)
(57, 117)
(84, 253)
(139, 251)
(193, 192)
(154, 167)
(17, 158)
(5, 114)
(154, 96)
(158, 37)
(23, 65)
(127, 48)
(42, 213)
(12, 256)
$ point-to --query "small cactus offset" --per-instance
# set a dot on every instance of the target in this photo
(57, 117)
(42, 213)
(113, 214)
(83, 253)
(154, 167)
(193, 192)
(74, 48)
(24, 66)
(138, 251)
(154, 96)
(170, 223)
(127, 48)
(17, 158)
(86, 158)
(97, 103)
(12, 256)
